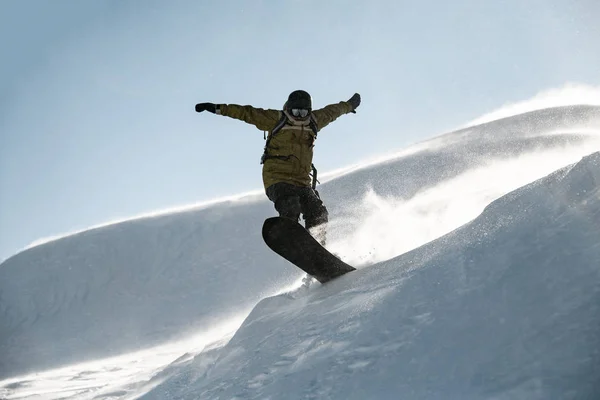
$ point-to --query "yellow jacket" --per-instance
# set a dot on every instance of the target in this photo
(292, 145)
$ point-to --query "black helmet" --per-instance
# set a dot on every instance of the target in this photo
(299, 99)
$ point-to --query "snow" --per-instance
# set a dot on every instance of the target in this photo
(570, 93)
(479, 278)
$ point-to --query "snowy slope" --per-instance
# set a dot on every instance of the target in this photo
(140, 283)
(505, 307)
(132, 285)
(438, 185)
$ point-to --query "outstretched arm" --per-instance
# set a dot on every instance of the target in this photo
(330, 113)
(264, 120)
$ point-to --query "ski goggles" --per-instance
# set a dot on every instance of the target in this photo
(300, 112)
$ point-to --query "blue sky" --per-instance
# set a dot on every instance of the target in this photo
(96, 98)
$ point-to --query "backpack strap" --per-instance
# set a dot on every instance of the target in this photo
(314, 179)
(313, 125)
(280, 124)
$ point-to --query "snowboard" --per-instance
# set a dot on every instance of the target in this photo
(291, 241)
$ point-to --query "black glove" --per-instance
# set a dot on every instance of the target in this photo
(354, 101)
(210, 107)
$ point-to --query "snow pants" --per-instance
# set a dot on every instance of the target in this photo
(291, 201)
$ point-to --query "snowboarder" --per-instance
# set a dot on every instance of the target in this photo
(288, 154)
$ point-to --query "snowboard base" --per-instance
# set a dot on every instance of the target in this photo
(291, 241)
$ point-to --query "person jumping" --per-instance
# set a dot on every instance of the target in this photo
(288, 154)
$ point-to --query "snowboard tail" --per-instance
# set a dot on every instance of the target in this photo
(291, 241)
